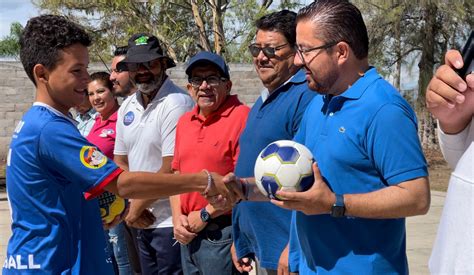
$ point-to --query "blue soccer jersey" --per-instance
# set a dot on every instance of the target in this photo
(51, 168)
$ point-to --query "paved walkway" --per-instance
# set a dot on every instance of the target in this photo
(421, 232)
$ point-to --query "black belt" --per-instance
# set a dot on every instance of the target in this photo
(219, 222)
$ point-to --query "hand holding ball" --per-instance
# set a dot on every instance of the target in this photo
(284, 165)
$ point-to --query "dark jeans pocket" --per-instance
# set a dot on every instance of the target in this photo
(219, 236)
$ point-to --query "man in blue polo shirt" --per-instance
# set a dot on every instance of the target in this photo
(370, 172)
(260, 229)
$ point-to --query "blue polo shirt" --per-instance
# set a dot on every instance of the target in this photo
(363, 140)
(260, 228)
(50, 168)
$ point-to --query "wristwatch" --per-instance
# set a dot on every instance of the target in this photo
(338, 209)
(205, 216)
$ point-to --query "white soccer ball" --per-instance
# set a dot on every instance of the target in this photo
(284, 165)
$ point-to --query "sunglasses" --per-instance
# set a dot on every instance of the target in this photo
(212, 80)
(267, 51)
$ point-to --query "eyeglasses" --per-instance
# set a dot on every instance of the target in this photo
(212, 80)
(267, 51)
(303, 52)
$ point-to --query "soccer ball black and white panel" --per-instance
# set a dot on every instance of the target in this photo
(284, 165)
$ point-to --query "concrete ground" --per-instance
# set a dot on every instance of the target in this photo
(421, 232)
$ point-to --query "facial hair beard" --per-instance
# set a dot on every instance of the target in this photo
(153, 85)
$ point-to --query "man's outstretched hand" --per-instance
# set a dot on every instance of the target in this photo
(225, 192)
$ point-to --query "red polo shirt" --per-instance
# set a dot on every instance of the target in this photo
(102, 134)
(210, 143)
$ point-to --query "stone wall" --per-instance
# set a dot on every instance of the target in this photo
(17, 92)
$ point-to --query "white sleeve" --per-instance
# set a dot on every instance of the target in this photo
(119, 148)
(453, 146)
(168, 126)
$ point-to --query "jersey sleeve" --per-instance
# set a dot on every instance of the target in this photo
(394, 146)
(69, 156)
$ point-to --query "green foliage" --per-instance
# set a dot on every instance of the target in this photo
(403, 32)
(112, 22)
(10, 45)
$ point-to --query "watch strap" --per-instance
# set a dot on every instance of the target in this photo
(338, 209)
(205, 215)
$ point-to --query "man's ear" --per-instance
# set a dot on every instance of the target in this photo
(191, 91)
(343, 51)
(228, 86)
(40, 73)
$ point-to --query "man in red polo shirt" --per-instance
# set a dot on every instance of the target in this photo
(206, 138)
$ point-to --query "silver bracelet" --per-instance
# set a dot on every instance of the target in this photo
(210, 181)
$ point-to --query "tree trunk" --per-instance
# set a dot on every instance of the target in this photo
(398, 53)
(426, 66)
(205, 44)
(217, 27)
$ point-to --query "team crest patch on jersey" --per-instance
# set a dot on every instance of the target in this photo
(106, 132)
(128, 118)
(92, 158)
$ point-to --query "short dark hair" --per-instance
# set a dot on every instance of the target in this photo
(338, 20)
(103, 77)
(121, 50)
(283, 21)
(43, 39)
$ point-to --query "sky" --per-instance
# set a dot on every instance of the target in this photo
(15, 11)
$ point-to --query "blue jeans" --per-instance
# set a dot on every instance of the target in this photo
(209, 252)
(119, 244)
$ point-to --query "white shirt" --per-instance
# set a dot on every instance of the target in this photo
(86, 121)
(147, 135)
(453, 249)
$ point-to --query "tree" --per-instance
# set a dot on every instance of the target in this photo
(10, 45)
(183, 26)
(406, 33)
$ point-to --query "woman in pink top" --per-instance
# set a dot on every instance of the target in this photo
(102, 135)
(104, 102)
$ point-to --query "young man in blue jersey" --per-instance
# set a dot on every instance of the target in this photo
(51, 167)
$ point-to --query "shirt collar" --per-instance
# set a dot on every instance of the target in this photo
(357, 89)
(297, 78)
(56, 112)
(112, 117)
(89, 114)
